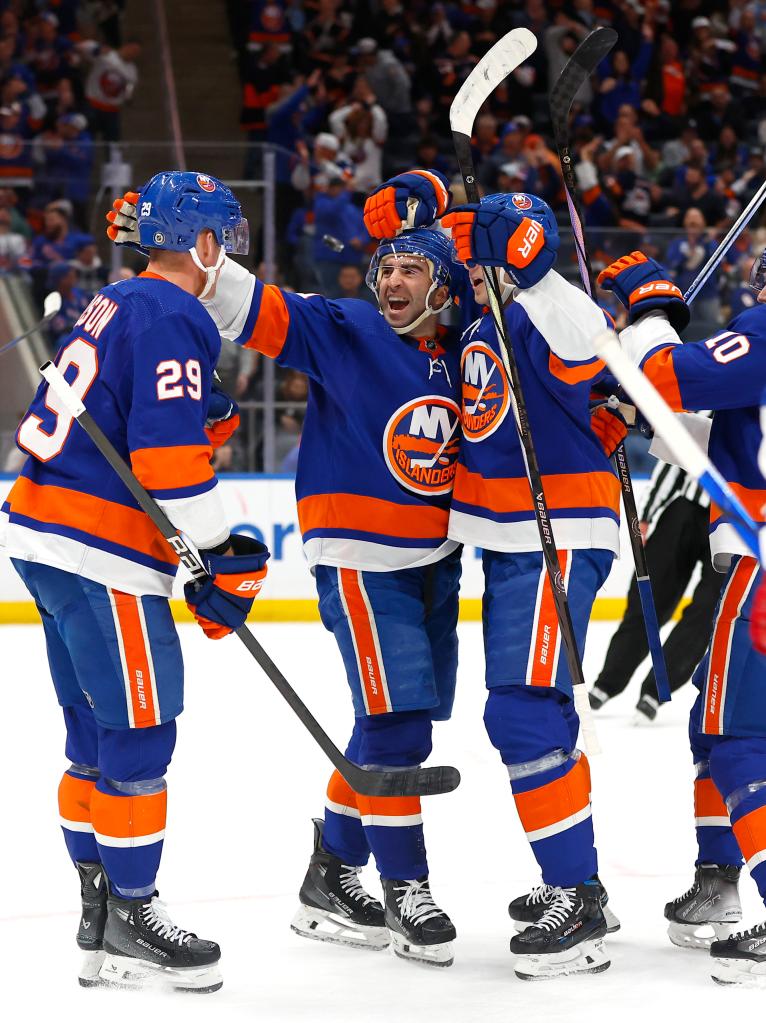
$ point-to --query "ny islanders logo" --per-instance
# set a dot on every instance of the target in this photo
(421, 444)
(521, 201)
(485, 391)
(204, 182)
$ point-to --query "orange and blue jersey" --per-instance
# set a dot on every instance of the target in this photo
(142, 356)
(725, 373)
(381, 437)
(551, 327)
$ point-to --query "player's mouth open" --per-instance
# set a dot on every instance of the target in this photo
(397, 304)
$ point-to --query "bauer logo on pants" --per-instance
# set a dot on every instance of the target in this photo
(421, 444)
(485, 391)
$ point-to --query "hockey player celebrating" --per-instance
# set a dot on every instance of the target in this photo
(374, 477)
(101, 574)
(727, 727)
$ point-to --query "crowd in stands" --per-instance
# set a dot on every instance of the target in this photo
(65, 74)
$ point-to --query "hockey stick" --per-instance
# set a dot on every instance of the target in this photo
(493, 67)
(688, 454)
(732, 234)
(51, 307)
(575, 73)
(428, 781)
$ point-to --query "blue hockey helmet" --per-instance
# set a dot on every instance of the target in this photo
(437, 250)
(532, 206)
(174, 206)
(757, 280)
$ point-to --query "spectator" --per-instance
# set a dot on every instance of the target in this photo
(16, 165)
(742, 296)
(715, 111)
(13, 246)
(293, 388)
(351, 284)
(684, 259)
(336, 216)
(57, 243)
(389, 82)
(236, 367)
(111, 81)
(91, 272)
(362, 127)
(695, 191)
(326, 162)
(62, 277)
(68, 155)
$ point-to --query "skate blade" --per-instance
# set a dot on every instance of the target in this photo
(426, 955)
(137, 975)
(699, 936)
(89, 970)
(320, 925)
(739, 972)
(587, 957)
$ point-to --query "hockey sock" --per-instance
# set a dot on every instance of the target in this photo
(715, 839)
(554, 808)
(75, 792)
(344, 835)
(393, 827)
(129, 825)
(748, 818)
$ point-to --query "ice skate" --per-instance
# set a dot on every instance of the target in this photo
(741, 958)
(419, 929)
(334, 905)
(527, 909)
(597, 698)
(708, 910)
(90, 932)
(143, 948)
(567, 938)
(646, 711)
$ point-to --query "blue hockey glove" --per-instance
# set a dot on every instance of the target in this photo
(222, 417)
(642, 286)
(496, 233)
(223, 602)
(414, 199)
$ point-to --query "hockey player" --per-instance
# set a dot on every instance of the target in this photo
(374, 477)
(529, 715)
(727, 727)
(101, 574)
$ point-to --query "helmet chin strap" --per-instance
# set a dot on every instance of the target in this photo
(428, 311)
(209, 271)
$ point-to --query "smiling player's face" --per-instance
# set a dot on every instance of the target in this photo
(403, 285)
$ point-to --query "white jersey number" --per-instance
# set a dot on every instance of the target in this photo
(728, 346)
(169, 379)
(31, 436)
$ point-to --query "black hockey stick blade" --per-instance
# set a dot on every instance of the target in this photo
(575, 73)
(416, 781)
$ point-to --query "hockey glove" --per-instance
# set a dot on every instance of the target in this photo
(222, 603)
(758, 618)
(410, 200)
(498, 235)
(609, 426)
(222, 417)
(123, 223)
(642, 286)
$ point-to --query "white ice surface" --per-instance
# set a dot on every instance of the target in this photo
(243, 785)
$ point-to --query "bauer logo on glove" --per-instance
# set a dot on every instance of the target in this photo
(642, 286)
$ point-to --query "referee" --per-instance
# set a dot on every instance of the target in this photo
(678, 511)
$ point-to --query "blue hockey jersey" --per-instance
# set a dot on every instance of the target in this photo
(551, 327)
(141, 356)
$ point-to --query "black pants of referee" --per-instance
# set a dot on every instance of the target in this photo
(677, 544)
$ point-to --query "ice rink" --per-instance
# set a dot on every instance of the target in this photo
(244, 784)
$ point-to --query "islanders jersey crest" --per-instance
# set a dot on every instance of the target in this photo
(421, 443)
(485, 391)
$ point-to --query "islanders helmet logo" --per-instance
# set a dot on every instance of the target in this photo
(485, 391)
(205, 183)
(421, 443)
(521, 201)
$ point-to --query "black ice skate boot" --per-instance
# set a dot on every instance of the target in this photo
(334, 906)
(709, 909)
(527, 909)
(90, 932)
(143, 947)
(419, 929)
(741, 958)
(597, 698)
(568, 937)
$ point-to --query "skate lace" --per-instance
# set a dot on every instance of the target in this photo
(562, 903)
(352, 886)
(750, 932)
(542, 893)
(693, 890)
(417, 903)
(155, 916)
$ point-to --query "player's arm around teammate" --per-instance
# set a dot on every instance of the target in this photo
(142, 356)
(727, 727)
